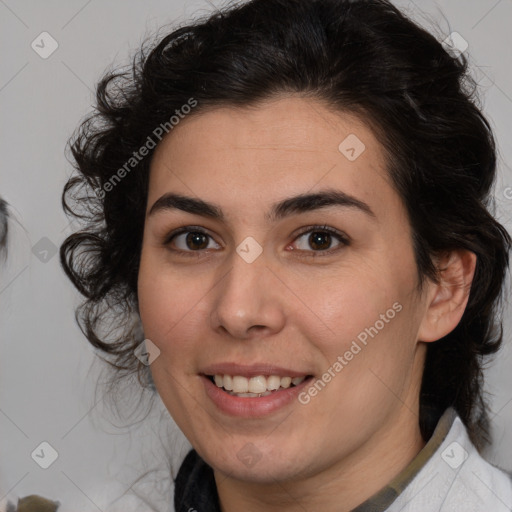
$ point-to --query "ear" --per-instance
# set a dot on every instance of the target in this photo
(446, 301)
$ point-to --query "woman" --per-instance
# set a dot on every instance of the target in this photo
(291, 199)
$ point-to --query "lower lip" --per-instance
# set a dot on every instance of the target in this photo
(252, 407)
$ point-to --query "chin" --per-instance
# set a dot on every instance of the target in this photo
(266, 471)
(256, 461)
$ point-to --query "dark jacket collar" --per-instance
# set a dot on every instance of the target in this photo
(194, 487)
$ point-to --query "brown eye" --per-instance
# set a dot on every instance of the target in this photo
(196, 240)
(189, 240)
(320, 239)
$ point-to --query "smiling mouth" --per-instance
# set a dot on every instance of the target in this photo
(255, 387)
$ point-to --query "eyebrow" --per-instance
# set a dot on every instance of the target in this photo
(301, 203)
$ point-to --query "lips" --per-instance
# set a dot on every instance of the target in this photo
(253, 370)
(251, 406)
(274, 387)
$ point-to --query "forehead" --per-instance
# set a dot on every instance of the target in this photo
(278, 148)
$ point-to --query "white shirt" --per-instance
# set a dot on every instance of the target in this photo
(456, 479)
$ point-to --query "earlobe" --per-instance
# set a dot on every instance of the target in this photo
(447, 300)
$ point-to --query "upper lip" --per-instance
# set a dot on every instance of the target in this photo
(252, 370)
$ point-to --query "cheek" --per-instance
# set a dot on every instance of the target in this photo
(367, 316)
(173, 309)
(343, 304)
(160, 305)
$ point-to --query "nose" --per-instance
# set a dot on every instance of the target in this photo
(248, 301)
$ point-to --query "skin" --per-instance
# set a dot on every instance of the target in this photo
(289, 307)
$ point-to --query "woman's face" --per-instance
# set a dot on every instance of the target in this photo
(301, 265)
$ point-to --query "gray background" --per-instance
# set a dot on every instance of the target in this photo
(48, 376)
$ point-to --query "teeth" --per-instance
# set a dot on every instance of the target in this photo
(250, 395)
(228, 383)
(240, 384)
(273, 382)
(255, 386)
(285, 382)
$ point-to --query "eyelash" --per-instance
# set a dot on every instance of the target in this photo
(341, 237)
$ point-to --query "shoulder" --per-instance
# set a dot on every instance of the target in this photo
(457, 478)
(479, 485)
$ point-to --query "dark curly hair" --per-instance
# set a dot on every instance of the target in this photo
(358, 56)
